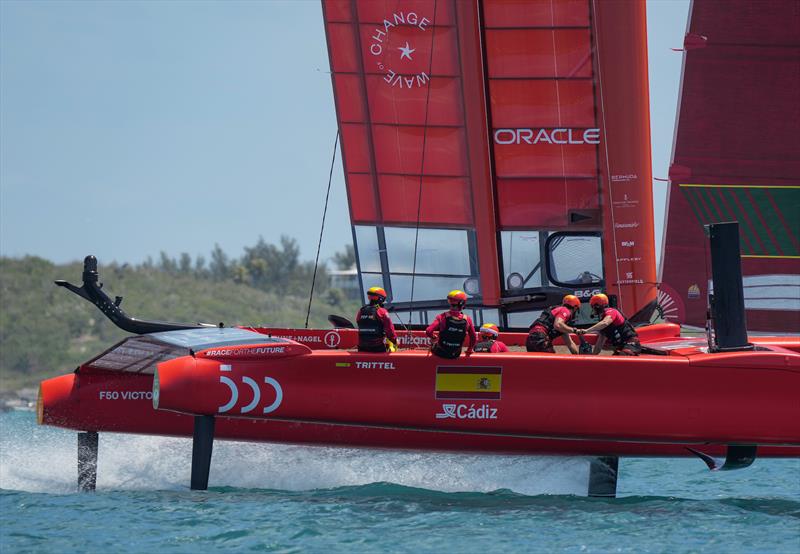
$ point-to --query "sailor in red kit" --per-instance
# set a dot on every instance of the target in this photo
(614, 327)
(450, 328)
(488, 339)
(554, 321)
(375, 325)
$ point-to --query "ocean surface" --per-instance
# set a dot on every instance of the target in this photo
(277, 498)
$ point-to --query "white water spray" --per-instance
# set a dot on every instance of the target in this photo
(39, 459)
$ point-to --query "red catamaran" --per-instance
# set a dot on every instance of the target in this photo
(500, 147)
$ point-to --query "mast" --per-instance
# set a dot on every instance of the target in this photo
(626, 177)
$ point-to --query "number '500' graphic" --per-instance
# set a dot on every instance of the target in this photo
(253, 384)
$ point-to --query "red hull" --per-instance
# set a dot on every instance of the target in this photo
(529, 403)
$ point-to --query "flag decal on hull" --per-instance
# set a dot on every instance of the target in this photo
(468, 382)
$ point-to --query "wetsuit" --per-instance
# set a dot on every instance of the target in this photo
(453, 327)
(374, 324)
(543, 331)
(621, 334)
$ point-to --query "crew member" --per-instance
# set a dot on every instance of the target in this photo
(554, 321)
(488, 339)
(450, 328)
(614, 327)
(375, 328)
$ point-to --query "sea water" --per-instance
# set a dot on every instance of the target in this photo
(279, 498)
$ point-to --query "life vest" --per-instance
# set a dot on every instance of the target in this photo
(370, 330)
(619, 335)
(451, 339)
(484, 346)
(548, 321)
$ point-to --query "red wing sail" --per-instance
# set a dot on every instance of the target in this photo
(398, 73)
(472, 132)
(570, 126)
(737, 157)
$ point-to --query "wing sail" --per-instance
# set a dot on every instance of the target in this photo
(736, 157)
(473, 132)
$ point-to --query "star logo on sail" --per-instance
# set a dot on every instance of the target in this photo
(406, 51)
(388, 54)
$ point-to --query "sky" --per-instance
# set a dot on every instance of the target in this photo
(130, 128)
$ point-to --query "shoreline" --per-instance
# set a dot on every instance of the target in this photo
(23, 399)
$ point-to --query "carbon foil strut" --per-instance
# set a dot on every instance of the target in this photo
(603, 477)
(738, 456)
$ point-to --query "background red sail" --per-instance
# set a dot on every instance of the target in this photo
(737, 157)
(473, 131)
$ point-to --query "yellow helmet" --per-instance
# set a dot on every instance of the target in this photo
(457, 298)
(377, 293)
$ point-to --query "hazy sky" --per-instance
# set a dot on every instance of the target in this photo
(128, 128)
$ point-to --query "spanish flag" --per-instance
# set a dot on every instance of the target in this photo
(468, 382)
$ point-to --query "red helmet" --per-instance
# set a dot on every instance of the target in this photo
(490, 329)
(377, 293)
(457, 298)
(599, 301)
(572, 301)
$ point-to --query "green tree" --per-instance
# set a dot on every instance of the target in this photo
(219, 267)
(185, 264)
(271, 267)
(167, 264)
(346, 259)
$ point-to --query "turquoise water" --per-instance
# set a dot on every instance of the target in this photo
(299, 499)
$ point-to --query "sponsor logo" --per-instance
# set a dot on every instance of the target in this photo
(633, 225)
(300, 338)
(125, 395)
(381, 45)
(626, 202)
(586, 293)
(251, 351)
(375, 365)
(693, 292)
(552, 136)
(629, 243)
(332, 339)
(467, 411)
(629, 280)
(255, 387)
(405, 340)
